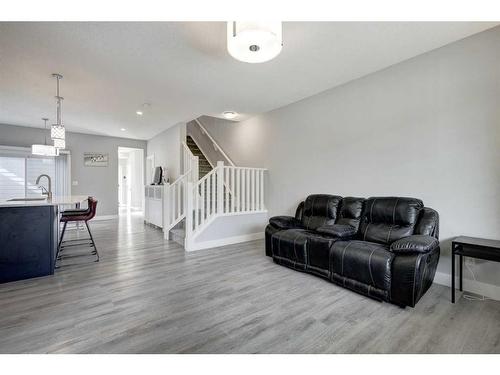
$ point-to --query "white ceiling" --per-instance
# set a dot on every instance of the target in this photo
(184, 70)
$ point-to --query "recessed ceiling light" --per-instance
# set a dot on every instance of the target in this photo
(123, 129)
(138, 113)
(229, 115)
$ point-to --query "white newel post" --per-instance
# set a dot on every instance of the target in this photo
(166, 210)
(220, 187)
(189, 215)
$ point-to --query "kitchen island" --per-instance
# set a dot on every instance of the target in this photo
(29, 234)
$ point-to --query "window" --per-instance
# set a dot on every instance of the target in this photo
(19, 171)
(12, 177)
(36, 167)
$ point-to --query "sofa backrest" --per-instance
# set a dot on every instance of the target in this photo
(320, 209)
(299, 211)
(350, 211)
(387, 219)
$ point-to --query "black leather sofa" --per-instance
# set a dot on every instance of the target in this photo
(384, 247)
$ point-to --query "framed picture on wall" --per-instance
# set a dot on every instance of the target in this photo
(95, 159)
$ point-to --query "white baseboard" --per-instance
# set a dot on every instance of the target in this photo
(225, 241)
(483, 289)
(105, 217)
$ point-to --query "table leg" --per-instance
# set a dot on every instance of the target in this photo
(452, 273)
(461, 260)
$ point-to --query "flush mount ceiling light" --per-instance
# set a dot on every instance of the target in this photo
(123, 129)
(45, 149)
(139, 113)
(57, 131)
(254, 42)
(229, 115)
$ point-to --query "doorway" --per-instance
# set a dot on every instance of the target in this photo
(130, 180)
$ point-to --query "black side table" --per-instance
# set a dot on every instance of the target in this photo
(471, 247)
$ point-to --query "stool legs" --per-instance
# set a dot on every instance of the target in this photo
(61, 245)
(95, 252)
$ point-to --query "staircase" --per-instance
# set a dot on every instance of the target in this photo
(204, 165)
(213, 205)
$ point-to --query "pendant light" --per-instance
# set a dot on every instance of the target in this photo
(254, 42)
(45, 149)
(57, 131)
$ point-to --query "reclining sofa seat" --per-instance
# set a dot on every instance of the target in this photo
(384, 247)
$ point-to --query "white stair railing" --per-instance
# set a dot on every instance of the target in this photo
(244, 189)
(226, 190)
(176, 193)
(175, 208)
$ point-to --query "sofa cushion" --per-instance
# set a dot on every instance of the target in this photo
(366, 262)
(320, 209)
(337, 230)
(386, 219)
(350, 212)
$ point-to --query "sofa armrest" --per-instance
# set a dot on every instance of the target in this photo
(417, 243)
(337, 230)
(285, 222)
(412, 276)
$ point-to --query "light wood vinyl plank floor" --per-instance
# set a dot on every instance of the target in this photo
(147, 295)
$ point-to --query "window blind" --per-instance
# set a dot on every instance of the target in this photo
(19, 171)
(12, 177)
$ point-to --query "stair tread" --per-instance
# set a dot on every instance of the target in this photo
(204, 166)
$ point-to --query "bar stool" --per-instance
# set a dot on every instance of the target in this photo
(77, 216)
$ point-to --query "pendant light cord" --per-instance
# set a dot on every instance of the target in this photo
(45, 132)
(59, 99)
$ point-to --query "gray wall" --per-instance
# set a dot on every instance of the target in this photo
(205, 144)
(99, 182)
(166, 148)
(428, 128)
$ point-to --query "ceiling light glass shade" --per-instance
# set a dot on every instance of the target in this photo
(230, 115)
(59, 143)
(44, 150)
(58, 132)
(254, 42)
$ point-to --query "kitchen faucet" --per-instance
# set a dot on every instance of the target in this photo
(46, 192)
